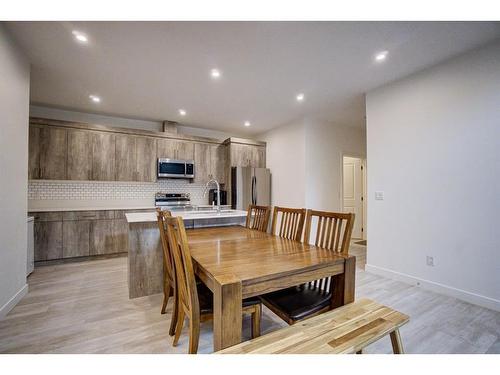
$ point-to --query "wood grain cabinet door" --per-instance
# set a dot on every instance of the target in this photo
(125, 158)
(241, 155)
(103, 156)
(53, 153)
(258, 157)
(165, 148)
(48, 240)
(101, 237)
(184, 150)
(120, 236)
(79, 155)
(218, 162)
(34, 153)
(146, 159)
(75, 238)
(202, 162)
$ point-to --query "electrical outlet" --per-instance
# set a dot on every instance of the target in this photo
(430, 261)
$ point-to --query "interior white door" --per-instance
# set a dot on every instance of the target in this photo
(353, 192)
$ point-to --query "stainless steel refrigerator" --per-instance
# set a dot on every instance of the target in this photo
(250, 186)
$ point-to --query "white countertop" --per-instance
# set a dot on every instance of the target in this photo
(144, 217)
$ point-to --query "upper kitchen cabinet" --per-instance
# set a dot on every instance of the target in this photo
(146, 159)
(135, 158)
(202, 162)
(34, 153)
(79, 162)
(175, 149)
(47, 153)
(218, 162)
(125, 158)
(246, 153)
(103, 156)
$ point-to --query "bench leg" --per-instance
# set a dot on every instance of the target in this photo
(397, 345)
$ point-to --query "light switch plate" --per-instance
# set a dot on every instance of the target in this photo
(379, 195)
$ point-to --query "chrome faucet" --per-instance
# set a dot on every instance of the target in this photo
(218, 191)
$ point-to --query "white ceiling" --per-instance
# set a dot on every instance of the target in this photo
(149, 70)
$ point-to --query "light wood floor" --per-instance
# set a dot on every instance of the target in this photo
(84, 308)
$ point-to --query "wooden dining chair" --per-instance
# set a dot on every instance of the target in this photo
(288, 222)
(258, 217)
(195, 299)
(169, 289)
(333, 232)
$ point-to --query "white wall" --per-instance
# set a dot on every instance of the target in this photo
(285, 156)
(93, 118)
(434, 149)
(325, 145)
(305, 159)
(14, 102)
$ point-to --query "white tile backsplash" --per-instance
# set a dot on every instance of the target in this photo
(96, 190)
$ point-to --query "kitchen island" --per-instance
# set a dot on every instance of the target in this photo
(145, 256)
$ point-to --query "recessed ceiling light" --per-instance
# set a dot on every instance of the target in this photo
(95, 98)
(81, 37)
(381, 56)
(215, 73)
(300, 97)
(182, 112)
(247, 123)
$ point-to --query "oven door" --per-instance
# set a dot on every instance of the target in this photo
(171, 168)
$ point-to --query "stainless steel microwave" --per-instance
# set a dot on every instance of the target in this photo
(172, 168)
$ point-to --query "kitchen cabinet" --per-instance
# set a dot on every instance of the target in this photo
(52, 153)
(244, 155)
(101, 237)
(34, 153)
(48, 236)
(175, 149)
(146, 159)
(218, 162)
(202, 162)
(75, 238)
(79, 163)
(103, 156)
(125, 158)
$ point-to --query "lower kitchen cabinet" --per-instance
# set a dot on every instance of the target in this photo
(75, 238)
(101, 237)
(72, 234)
(48, 240)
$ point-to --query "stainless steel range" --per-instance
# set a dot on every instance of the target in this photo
(173, 201)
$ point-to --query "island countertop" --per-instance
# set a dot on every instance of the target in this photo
(145, 217)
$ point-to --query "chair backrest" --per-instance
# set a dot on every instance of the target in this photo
(184, 271)
(168, 260)
(290, 224)
(333, 232)
(258, 217)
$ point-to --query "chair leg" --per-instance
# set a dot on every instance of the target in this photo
(256, 317)
(175, 313)
(397, 344)
(194, 333)
(178, 328)
(166, 295)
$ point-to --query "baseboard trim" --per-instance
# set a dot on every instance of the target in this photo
(5, 309)
(476, 299)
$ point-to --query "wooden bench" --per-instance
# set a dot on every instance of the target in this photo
(347, 329)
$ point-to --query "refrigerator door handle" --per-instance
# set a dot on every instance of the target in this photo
(254, 195)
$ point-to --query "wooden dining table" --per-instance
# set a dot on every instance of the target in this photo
(237, 263)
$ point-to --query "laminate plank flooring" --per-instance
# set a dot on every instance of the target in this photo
(83, 307)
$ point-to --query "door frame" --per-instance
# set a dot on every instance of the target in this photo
(363, 177)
